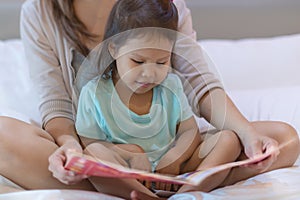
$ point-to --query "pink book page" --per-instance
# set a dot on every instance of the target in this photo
(91, 166)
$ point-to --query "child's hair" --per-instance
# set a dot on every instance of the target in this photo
(132, 18)
(131, 14)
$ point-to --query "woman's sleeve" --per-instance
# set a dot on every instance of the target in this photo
(44, 65)
(189, 61)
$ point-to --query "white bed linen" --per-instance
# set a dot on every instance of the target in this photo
(17, 97)
(56, 195)
(256, 98)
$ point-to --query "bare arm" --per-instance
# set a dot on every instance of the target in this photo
(221, 112)
(188, 139)
(62, 130)
(217, 108)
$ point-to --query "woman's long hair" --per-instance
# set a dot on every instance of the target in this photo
(71, 27)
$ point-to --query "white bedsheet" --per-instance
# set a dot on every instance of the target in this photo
(260, 102)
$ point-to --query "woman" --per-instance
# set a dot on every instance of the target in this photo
(54, 32)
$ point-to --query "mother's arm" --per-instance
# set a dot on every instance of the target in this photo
(205, 92)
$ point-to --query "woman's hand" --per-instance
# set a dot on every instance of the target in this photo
(255, 144)
(57, 161)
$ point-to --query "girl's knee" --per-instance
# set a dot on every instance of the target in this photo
(229, 138)
(94, 148)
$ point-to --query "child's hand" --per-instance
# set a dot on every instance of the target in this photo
(136, 159)
(134, 155)
(140, 161)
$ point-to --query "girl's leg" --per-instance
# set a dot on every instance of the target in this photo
(24, 152)
(227, 149)
(114, 186)
(282, 133)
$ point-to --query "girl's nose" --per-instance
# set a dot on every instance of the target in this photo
(148, 71)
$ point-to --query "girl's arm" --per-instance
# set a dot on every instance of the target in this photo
(188, 139)
(128, 155)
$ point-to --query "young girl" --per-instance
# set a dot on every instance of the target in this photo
(54, 33)
(139, 107)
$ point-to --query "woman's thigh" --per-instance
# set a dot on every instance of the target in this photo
(24, 152)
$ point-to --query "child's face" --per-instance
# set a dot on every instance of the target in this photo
(143, 63)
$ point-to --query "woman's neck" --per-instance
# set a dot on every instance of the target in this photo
(94, 14)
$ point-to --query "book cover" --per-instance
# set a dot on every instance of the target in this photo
(88, 165)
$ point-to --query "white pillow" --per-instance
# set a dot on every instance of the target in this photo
(17, 97)
(256, 63)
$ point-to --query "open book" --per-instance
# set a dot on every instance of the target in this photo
(83, 164)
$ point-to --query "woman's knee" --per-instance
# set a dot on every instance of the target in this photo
(286, 136)
(7, 125)
(289, 137)
(289, 132)
(13, 130)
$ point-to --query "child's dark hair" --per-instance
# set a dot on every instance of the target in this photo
(127, 15)
(131, 14)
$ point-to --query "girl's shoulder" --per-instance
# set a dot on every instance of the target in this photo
(172, 83)
(172, 80)
(98, 84)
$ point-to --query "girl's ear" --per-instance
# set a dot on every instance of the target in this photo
(112, 50)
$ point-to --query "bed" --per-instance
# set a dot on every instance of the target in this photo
(259, 70)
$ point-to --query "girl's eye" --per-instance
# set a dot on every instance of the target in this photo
(137, 61)
(162, 63)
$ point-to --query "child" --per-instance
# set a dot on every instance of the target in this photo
(140, 108)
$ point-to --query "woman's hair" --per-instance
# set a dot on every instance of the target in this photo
(142, 16)
(72, 28)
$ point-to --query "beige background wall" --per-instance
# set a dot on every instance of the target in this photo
(234, 19)
(227, 19)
